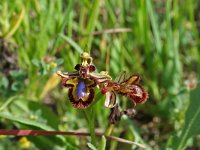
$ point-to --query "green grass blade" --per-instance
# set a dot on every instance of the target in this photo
(8, 116)
(15, 24)
(65, 21)
(91, 24)
(155, 27)
(192, 119)
(72, 43)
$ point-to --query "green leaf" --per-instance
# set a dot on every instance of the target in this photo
(91, 146)
(192, 120)
(4, 82)
(18, 75)
(36, 62)
(48, 142)
(8, 102)
(59, 61)
(15, 24)
(16, 86)
(102, 144)
(11, 117)
(71, 42)
(35, 111)
(155, 28)
(92, 21)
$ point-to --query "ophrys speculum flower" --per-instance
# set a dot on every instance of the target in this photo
(81, 84)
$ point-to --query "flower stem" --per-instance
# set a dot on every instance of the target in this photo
(109, 130)
(90, 114)
(48, 133)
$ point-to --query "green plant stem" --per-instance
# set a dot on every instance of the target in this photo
(109, 129)
(90, 113)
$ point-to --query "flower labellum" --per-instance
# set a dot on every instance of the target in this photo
(81, 94)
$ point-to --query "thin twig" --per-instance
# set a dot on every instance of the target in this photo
(110, 31)
(47, 133)
(124, 141)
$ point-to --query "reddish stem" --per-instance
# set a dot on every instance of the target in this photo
(47, 133)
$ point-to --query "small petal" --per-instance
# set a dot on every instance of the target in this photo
(131, 80)
(110, 101)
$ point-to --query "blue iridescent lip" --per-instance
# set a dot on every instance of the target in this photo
(81, 92)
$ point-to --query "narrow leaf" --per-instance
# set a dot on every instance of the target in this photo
(192, 119)
(15, 24)
(72, 43)
(91, 146)
(24, 121)
(102, 144)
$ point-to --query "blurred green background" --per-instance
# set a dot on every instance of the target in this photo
(158, 39)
